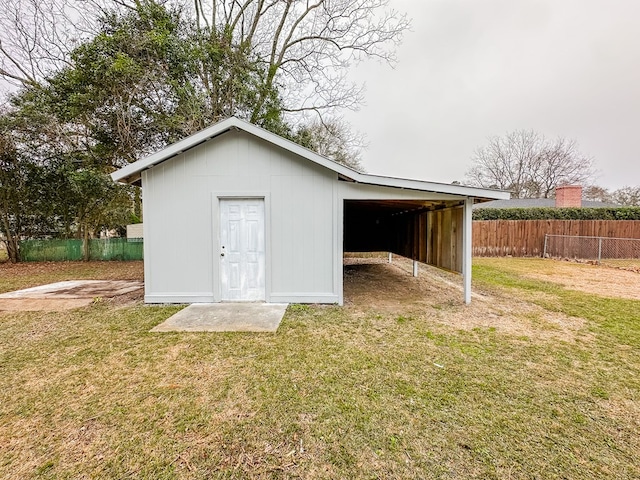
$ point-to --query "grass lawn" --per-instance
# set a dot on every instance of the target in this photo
(533, 380)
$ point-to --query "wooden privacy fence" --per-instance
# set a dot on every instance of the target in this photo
(525, 238)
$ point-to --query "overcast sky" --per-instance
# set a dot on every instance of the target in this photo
(470, 69)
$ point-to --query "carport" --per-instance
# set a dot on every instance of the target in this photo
(423, 231)
(436, 232)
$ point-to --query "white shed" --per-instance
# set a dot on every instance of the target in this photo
(236, 213)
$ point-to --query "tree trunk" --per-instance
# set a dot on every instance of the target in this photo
(11, 241)
(13, 249)
(85, 244)
(137, 205)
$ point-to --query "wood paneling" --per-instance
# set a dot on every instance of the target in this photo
(433, 237)
(525, 238)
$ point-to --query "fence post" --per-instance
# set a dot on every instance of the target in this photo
(599, 249)
(544, 250)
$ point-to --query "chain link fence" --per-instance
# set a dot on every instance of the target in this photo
(614, 252)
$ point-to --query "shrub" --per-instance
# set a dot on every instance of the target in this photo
(613, 213)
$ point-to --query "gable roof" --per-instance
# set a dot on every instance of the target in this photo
(131, 173)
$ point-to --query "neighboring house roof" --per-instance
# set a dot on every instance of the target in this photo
(131, 173)
(538, 203)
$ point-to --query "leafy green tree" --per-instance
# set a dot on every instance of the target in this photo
(152, 73)
(148, 79)
(13, 183)
(262, 60)
(98, 203)
(304, 49)
(45, 196)
(25, 187)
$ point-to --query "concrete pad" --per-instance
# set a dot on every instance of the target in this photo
(225, 317)
(73, 289)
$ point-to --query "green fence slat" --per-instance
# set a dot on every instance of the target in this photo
(56, 250)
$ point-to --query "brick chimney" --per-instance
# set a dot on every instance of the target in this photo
(569, 196)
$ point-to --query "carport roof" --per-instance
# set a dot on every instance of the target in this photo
(131, 173)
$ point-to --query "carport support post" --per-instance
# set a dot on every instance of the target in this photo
(467, 248)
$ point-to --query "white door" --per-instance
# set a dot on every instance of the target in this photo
(242, 249)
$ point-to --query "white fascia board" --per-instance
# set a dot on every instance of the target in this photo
(295, 148)
(383, 181)
(458, 190)
(136, 167)
(368, 191)
(133, 170)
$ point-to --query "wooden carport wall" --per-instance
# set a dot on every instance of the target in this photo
(438, 234)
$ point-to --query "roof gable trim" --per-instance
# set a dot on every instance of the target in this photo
(131, 172)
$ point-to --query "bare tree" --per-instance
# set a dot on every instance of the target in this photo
(333, 139)
(560, 163)
(627, 196)
(37, 37)
(529, 165)
(305, 46)
(597, 194)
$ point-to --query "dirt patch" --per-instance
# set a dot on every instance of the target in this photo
(126, 299)
(69, 294)
(391, 286)
(599, 280)
(73, 289)
(372, 284)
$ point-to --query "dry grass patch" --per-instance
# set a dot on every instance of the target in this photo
(599, 280)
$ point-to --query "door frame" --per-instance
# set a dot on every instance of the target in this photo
(216, 243)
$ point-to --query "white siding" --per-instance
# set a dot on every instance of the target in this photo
(135, 230)
(181, 220)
